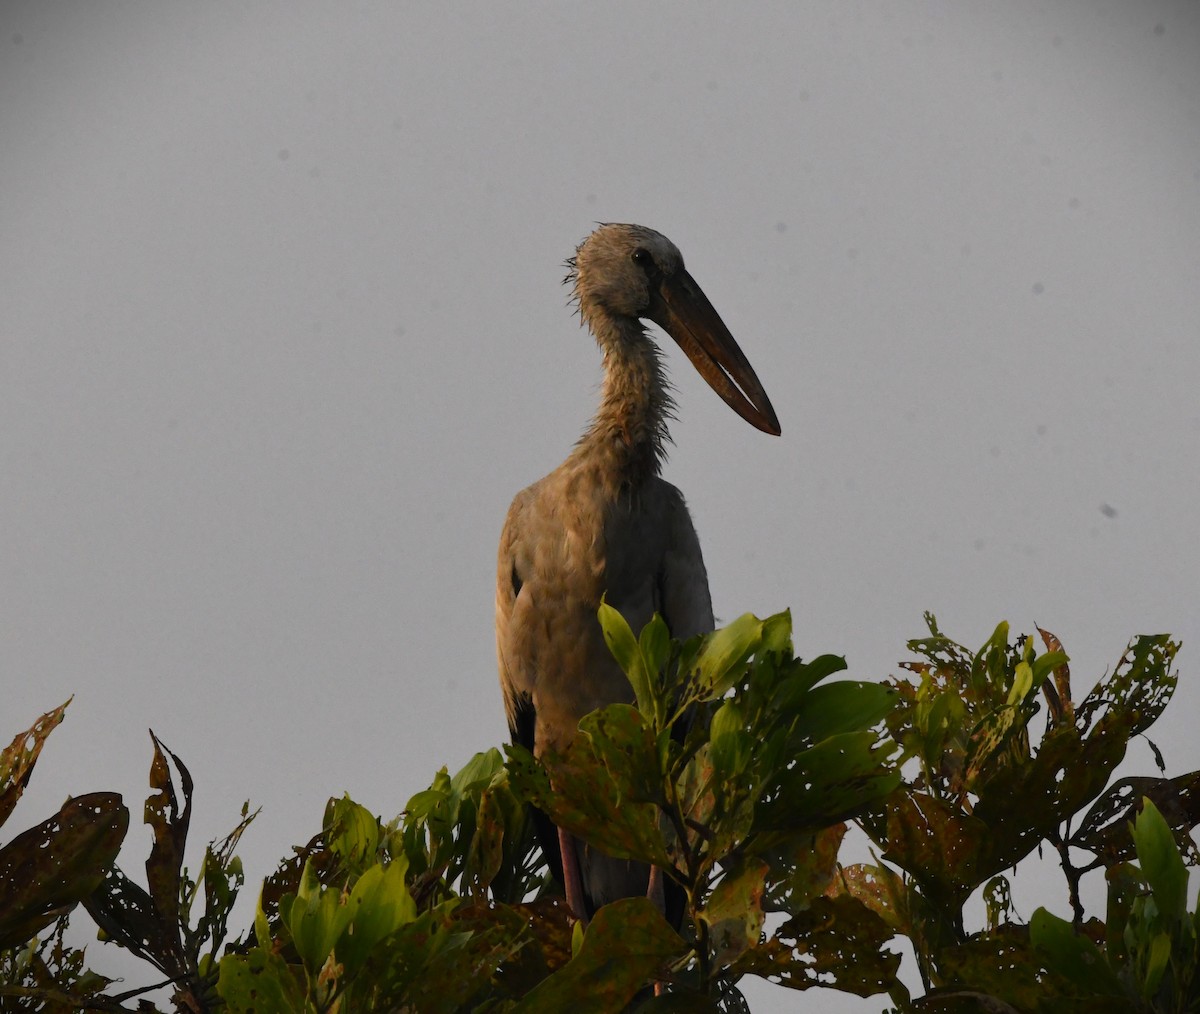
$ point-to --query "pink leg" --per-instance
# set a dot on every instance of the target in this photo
(572, 881)
(654, 890)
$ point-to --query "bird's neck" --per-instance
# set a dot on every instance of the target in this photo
(626, 440)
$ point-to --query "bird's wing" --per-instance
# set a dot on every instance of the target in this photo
(516, 679)
(683, 594)
(515, 684)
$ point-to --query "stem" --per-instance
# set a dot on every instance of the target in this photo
(1073, 874)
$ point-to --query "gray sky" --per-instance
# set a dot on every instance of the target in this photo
(283, 334)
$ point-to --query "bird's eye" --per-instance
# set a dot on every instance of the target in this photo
(642, 258)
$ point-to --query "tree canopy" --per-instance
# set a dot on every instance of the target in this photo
(737, 772)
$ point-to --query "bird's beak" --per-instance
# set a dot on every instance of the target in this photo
(684, 312)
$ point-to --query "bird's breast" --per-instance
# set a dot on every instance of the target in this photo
(577, 550)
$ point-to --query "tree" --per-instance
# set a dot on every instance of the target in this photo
(736, 773)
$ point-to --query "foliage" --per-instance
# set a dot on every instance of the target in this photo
(986, 791)
(733, 775)
(736, 773)
(1148, 959)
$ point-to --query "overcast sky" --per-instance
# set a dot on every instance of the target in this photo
(283, 332)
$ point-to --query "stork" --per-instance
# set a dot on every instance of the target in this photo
(604, 523)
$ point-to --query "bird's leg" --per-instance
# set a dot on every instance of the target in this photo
(654, 890)
(572, 881)
(658, 898)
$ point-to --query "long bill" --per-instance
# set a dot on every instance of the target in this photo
(684, 312)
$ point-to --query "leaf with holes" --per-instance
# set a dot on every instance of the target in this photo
(837, 942)
(47, 870)
(1105, 829)
(259, 982)
(18, 758)
(734, 912)
(934, 842)
(802, 865)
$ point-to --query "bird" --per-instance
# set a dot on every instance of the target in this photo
(605, 525)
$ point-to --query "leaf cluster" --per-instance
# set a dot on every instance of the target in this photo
(984, 788)
(735, 774)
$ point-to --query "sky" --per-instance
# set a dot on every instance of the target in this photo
(284, 332)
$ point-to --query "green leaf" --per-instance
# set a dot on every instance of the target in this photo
(730, 744)
(655, 645)
(1072, 954)
(844, 706)
(1157, 961)
(486, 853)
(1045, 664)
(590, 800)
(628, 653)
(441, 963)
(1161, 862)
(724, 652)
(777, 633)
(483, 769)
(626, 943)
(262, 928)
(836, 779)
(260, 982)
(1004, 965)
(313, 920)
(1022, 683)
(734, 913)
(352, 832)
(378, 906)
(797, 678)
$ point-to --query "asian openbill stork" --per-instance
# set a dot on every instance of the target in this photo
(604, 523)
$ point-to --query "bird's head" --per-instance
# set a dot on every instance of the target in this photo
(631, 272)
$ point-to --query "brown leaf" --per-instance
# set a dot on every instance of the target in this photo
(1105, 829)
(1058, 696)
(880, 889)
(18, 758)
(802, 866)
(1024, 802)
(939, 846)
(837, 943)
(170, 826)
(125, 913)
(1137, 691)
(47, 870)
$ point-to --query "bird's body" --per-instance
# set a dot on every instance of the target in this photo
(604, 523)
